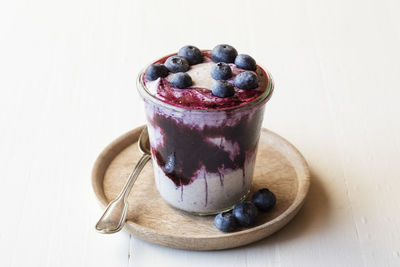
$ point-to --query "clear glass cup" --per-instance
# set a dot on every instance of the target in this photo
(203, 159)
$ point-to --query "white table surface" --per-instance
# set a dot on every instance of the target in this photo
(67, 81)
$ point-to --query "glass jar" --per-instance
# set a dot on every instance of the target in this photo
(203, 159)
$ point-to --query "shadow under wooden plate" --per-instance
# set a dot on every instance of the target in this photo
(279, 166)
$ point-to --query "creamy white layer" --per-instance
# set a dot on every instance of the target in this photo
(209, 192)
(200, 119)
(203, 82)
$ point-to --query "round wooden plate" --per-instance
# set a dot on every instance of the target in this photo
(279, 166)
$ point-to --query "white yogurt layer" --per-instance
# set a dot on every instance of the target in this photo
(201, 119)
(200, 74)
(201, 77)
(209, 192)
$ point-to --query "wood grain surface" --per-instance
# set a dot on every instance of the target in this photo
(279, 167)
(67, 88)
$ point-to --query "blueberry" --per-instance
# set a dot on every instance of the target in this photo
(170, 163)
(224, 53)
(221, 71)
(245, 213)
(181, 80)
(264, 199)
(225, 222)
(177, 64)
(192, 54)
(223, 89)
(153, 72)
(245, 62)
(246, 80)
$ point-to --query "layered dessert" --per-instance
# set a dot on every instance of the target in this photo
(204, 110)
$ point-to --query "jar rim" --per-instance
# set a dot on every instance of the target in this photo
(147, 95)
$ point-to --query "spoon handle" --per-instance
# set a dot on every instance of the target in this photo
(113, 218)
(133, 176)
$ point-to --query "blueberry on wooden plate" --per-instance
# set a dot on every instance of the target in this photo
(264, 199)
(225, 222)
(245, 213)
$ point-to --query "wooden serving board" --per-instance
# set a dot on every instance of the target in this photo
(279, 167)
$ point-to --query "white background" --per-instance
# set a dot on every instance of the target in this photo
(67, 81)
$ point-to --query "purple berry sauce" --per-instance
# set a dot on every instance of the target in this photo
(191, 149)
(202, 98)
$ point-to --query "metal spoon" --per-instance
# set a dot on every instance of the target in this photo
(114, 216)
